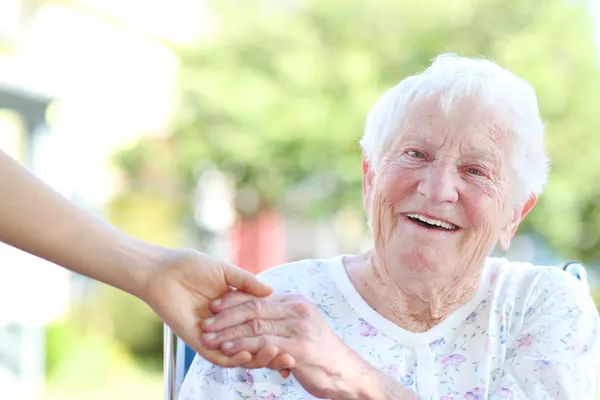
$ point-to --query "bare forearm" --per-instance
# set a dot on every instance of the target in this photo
(38, 220)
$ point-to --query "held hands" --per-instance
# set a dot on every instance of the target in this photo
(180, 288)
(289, 325)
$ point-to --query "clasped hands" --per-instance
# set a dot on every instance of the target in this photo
(284, 332)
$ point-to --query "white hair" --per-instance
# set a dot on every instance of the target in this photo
(450, 79)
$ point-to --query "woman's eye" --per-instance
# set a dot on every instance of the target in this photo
(415, 154)
(474, 171)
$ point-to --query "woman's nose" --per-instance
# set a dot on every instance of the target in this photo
(439, 184)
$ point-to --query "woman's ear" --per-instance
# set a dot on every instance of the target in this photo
(367, 183)
(519, 214)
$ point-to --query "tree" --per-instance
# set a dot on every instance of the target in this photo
(278, 96)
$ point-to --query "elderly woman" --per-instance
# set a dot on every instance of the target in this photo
(453, 162)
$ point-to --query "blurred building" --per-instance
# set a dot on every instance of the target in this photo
(78, 80)
(31, 292)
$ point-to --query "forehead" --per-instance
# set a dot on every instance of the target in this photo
(466, 126)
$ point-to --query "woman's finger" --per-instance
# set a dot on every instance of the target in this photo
(262, 358)
(239, 359)
(255, 327)
(253, 344)
(282, 362)
(255, 309)
(284, 373)
(230, 299)
(268, 357)
(236, 297)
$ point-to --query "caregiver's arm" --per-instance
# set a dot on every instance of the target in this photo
(556, 354)
(177, 284)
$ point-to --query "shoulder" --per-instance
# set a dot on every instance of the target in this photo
(533, 281)
(524, 287)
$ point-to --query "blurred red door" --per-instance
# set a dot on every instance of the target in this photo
(259, 241)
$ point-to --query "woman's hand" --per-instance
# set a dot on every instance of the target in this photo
(291, 325)
(182, 285)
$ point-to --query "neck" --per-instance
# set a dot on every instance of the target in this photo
(414, 304)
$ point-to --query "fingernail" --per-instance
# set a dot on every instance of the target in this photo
(284, 374)
(227, 345)
(209, 321)
(217, 302)
(210, 336)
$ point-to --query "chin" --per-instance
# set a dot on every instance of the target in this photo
(422, 260)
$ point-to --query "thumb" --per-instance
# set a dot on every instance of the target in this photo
(245, 281)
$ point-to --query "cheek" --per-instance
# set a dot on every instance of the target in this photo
(397, 184)
(393, 186)
(483, 208)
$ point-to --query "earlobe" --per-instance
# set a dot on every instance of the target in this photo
(511, 227)
(504, 241)
(509, 230)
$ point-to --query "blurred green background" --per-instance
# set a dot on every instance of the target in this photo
(233, 127)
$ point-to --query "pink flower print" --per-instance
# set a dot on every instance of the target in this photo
(245, 376)
(502, 331)
(475, 394)
(472, 317)
(505, 393)
(249, 379)
(525, 341)
(270, 396)
(437, 343)
(494, 277)
(578, 346)
(366, 329)
(392, 371)
(489, 345)
(574, 311)
(543, 364)
(407, 380)
(312, 270)
(453, 359)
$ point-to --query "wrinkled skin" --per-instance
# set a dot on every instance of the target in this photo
(293, 325)
(454, 168)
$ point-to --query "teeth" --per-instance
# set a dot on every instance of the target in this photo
(435, 222)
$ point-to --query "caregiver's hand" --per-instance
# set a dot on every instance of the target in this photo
(323, 364)
(180, 289)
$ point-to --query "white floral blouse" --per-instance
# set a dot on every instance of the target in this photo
(529, 333)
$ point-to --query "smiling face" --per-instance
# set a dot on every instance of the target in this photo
(442, 196)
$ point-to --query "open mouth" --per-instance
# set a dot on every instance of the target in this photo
(431, 223)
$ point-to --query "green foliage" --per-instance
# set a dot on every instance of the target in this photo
(132, 324)
(108, 328)
(148, 216)
(89, 365)
(61, 338)
(278, 97)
